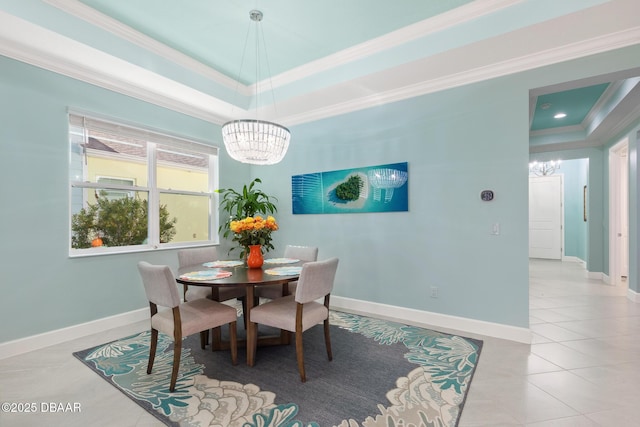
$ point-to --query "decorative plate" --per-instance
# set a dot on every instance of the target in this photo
(214, 264)
(284, 271)
(206, 275)
(281, 260)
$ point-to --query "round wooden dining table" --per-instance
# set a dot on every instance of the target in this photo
(248, 278)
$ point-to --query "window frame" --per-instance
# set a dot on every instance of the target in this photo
(153, 139)
(133, 182)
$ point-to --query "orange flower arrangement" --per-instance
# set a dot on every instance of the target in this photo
(254, 231)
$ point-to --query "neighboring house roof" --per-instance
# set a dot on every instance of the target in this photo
(96, 144)
(138, 148)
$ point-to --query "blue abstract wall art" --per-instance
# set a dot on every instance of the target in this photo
(382, 188)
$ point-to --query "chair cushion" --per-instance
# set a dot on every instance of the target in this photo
(197, 315)
(281, 313)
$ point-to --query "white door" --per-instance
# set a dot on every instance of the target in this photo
(618, 212)
(545, 217)
(624, 220)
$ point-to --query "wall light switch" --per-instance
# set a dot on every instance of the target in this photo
(495, 229)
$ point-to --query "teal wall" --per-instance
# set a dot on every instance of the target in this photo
(575, 173)
(445, 239)
(42, 288)
(457, 142)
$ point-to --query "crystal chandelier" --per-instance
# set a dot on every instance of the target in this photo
(544, 168)
(255, 141)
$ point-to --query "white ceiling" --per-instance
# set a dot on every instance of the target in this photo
(325, 58)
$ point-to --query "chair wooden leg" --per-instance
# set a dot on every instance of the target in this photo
(252, 329)
(203, 338)
(327, 339)
(285, 337)
(252, 343)
(152, 349)
(300, 354)
(177, 350)
(233, 338)
(216, 338)
(244, 311)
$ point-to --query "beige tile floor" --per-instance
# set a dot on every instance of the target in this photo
(581, 370)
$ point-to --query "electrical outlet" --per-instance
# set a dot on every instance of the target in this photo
(434, 292)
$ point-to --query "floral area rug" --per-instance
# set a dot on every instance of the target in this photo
(382, 374)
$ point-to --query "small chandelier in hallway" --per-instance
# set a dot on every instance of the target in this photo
(544, 168)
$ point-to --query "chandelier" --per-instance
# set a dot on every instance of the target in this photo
(544, 168)
(254, 141)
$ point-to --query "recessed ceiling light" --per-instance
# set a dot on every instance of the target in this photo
(545, 106)
(560, 116)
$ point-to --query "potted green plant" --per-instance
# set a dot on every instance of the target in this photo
(244, 204)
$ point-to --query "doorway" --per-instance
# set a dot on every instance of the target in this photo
(619, 213)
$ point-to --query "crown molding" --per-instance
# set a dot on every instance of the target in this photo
(572, 145)
(621, 39)
(27, 42)
(558, 130)
(100, 20)
(34, 45)
(604, 99)
(393, 39)
(396, 38)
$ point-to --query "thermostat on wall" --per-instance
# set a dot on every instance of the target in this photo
(486, 195)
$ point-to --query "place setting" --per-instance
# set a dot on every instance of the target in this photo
(281, 261)
(204, 275)
(223, 264)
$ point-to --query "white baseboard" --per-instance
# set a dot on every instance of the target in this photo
(389, 312)
(598, 275)
(580, 261)
(37, 342)
(633, 296)
(431, 320)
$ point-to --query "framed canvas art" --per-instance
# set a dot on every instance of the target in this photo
(382, 188)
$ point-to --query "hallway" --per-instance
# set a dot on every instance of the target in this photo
(582, 367)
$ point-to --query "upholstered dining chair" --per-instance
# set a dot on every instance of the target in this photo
(183, 319)
(303, 253)
(299, 312)
(193, 256)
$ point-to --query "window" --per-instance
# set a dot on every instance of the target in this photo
(135, 189)
(116, 194)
